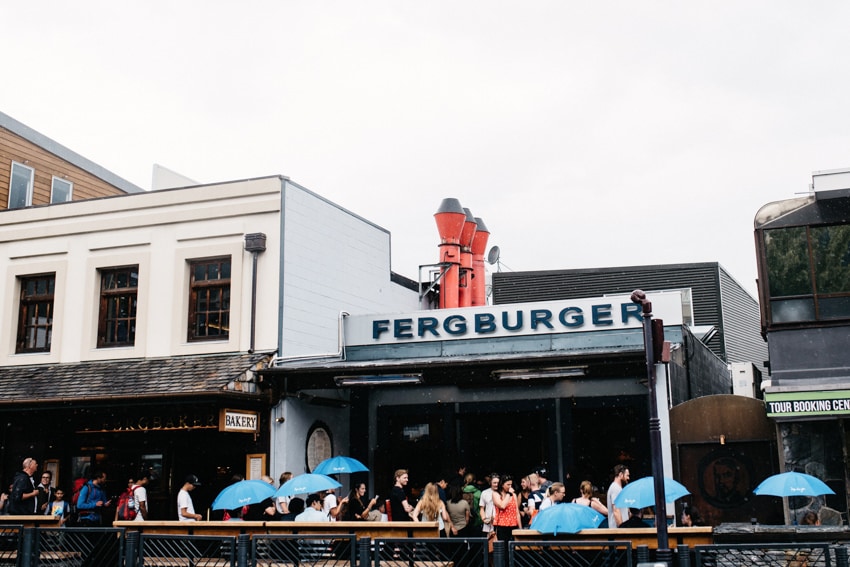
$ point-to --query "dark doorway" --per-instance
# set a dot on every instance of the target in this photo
(509, 437)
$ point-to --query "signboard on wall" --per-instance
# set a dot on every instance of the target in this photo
(807, 404)
(239, 421)
(608, 313)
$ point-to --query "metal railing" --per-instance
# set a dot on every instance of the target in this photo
(570, 554)
(784, 554)
(107, 547)
(430, 552)
(295, 550)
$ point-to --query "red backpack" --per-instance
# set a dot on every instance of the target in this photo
(127, 504)
(78, 486)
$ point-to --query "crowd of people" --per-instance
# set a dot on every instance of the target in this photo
(462, 504)
(88, 505)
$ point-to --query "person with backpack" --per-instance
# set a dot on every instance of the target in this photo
(133, 502)
(92, 500)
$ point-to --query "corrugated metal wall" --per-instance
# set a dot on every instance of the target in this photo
(717, 298)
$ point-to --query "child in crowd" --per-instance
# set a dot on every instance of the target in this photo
(59, 507)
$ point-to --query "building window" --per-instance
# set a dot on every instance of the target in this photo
(808, 272)
(20, 186)
(35, 323)
(118, 293)
(60, 190)
(209, 301)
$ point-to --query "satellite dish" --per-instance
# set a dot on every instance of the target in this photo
(493, 255)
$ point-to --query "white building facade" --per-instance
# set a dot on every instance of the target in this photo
(137, 323)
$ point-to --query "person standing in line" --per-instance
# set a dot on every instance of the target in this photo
(45, 492)
(185, 507)
(313, 511)
(400, 508)
(282, 503)
(543, 478)
(555, 495)
(587, 499)
(59, 507)
(92, 501)
(472, 495)
(507, 509)
(535, 496)
(458, 509)
(140, 496)
(23, 498)
(430, 508)
(617, 516)
(486, 506)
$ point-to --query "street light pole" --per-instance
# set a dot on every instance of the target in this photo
(663, 553)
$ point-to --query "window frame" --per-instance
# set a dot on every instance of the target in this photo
(25, 304)
(53, 182)
(802, 301)
(30, 185)
(104, 321)
(197, 287)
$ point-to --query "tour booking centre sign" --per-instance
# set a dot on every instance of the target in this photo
(807, 404)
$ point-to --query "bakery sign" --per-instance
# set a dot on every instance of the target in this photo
(239, 421)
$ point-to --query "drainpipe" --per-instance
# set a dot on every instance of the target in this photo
(254, 243)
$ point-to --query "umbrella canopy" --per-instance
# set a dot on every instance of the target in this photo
(306, 484)
(566, 518)
(641, 493)
(340, 465)
(792, 484)
(242, 493)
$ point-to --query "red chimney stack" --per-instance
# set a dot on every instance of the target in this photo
(479, 274)
(466, 236)
(450, 219)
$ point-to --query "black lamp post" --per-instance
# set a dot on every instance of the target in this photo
(663, 554)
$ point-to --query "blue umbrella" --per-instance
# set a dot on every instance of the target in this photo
(792, 484)
(242, 493)
(566, 518)
(340, 465)
(306, 484)
(641, 493)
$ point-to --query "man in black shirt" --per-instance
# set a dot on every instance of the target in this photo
(400, 508)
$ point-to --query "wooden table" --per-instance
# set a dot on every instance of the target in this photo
(359, 529)
(31, 521)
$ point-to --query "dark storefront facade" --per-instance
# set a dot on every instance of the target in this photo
(488, 388)
(205, 415)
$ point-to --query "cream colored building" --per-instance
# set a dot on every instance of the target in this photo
(135, 325)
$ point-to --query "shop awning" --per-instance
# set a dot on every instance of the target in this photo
(229, 374)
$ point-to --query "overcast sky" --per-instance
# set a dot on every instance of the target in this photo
(585, 134)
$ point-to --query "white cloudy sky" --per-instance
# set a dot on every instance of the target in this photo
(585, 134)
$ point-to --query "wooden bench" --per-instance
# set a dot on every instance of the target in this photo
(702, 535)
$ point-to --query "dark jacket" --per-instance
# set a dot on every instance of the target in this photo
(22, 484)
